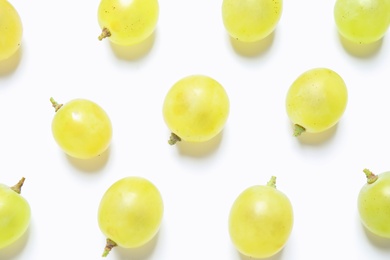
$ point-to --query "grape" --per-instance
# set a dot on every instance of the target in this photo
(251, 20)
(11, 30)
(195, 109)
(15, 214)
(362, 22)
(316, 100)
(127, 22)
(261, 220)
(81, 128)
(374, 203)
(130, 213)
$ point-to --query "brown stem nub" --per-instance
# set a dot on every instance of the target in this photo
(109, 245)
(105, 33)
(18, 186)
(55, 104)
(298, 130)
(371, 177)
(272, 182)
(173, 139)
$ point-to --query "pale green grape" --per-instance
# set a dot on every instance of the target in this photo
(130, 213)
(81, 128)
(127, 22)
(316, 100)
(15, 214)
(251, 20)
(374, 203)
(261, 220)
(195, 109)
(362, 21)
(11, 30)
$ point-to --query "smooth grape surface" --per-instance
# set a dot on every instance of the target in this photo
(82, 129)
(251, 20)
(362, 21)
(196, 108)
(15, 215)
(316, 100)
(260, 221)
(374, 205)
(11, 30)
(128, 21)
(130, 212)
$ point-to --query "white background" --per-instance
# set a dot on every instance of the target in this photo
(61, 57)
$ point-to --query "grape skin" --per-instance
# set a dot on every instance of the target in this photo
(11, 30)
(316, 100)
(362, 22)
(196, 108)
(82, 129)
(130, 212)
(15, 214)
(374, 204)
(261, 220)
(251, 20)
(127, 22)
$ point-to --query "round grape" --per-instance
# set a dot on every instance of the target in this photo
(127, 22)
(11, 30)
(316, 100)
(261, 220)
(195, 109)
(374, 203)
(130, 213)
(251, 20)
(81, 128)
(362, 22)
(15, 214)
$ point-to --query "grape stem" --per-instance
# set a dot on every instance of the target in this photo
(18, 186)
(371, 177)
(272, 182)
(173, 139)
(55, 104)
(105, 33)
(298, 130)
(109, 245)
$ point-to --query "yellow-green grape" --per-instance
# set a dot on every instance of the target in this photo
(195, 109)
(374, 203)
(11, 30)
(316, 100)
(127, 22)
(251, 20)
(81, 128)
(15, 214)
(261, 220)
(361, 21)
(130, 213)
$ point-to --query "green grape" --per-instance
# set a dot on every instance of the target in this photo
(251, 20)
(81, 128)
(362, 21)
(195, 109)
(316, 100)
(127, 22)
(130, 213)
(11, 30)
(15, 214)
(374, 203)
(261, 220)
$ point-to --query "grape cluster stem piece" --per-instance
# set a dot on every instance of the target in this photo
(173, 139)
(55, 104)
(18, 186)
(105, 33)
(109, 245)
(371, 177)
